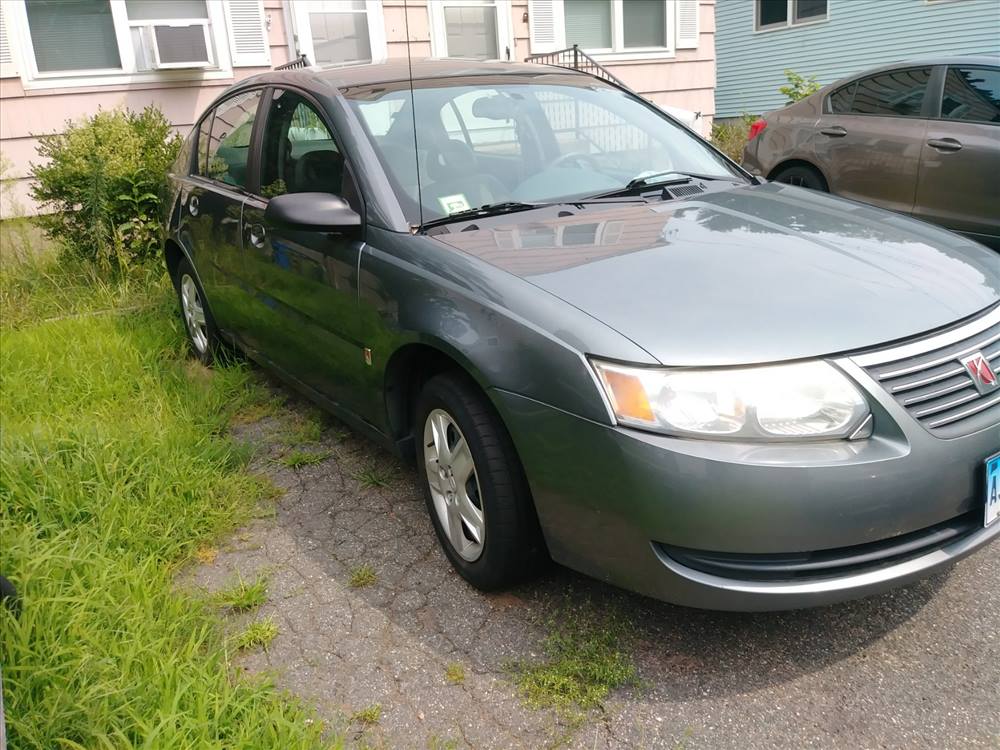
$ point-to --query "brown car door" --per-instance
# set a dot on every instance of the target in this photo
(959, 181)
(869, 140)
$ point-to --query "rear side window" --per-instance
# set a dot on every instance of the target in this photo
(971, 94)
(899, 93)
(841, 99)
(224, 145)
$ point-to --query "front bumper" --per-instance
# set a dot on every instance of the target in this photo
(612, 502)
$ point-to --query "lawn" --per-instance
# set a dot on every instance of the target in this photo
(115, 467)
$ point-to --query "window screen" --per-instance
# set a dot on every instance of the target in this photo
(899, 93)
(472, 32)
(644, 23)
(73, 35)
(972, 94)
(809, 10)
(341, 37)
(588, 23)
(228, 148)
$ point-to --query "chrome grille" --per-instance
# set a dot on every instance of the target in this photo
(929, 380)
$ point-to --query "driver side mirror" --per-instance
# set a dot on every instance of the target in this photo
(317, 212)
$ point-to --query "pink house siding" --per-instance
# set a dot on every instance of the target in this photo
(685, 79)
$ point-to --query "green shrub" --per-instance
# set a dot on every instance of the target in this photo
(105, 181)
(730, 137)
(799, 87)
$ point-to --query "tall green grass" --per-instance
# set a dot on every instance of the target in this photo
(114, 467)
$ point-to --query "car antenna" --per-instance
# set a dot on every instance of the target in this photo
(413, 114)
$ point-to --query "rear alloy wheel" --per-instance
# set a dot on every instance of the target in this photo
(474, 486)
(802, 176)
(201, 331)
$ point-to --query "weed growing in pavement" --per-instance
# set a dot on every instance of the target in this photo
(303, 429)
(374, 476)
(361, 576)
(296, 459)
(586, 657)
(258, 633)
(454, 673)
(368, 716)
(243, 596)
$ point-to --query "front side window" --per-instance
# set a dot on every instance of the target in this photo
(300, 154)
(971, 94)
(777, 14)
(519, 140)
(898, 93)
(227, 148)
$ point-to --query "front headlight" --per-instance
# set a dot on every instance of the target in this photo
(804, 400)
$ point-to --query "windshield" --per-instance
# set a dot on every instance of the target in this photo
(498, 139)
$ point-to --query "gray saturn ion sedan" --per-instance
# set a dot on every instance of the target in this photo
(600, 340)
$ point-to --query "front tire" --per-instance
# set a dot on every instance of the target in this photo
(802, 176)
(203, 336)
(474, 486)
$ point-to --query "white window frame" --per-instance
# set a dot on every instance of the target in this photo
(19, 37)
(439, 32)
(790, 21)
(300, 10)
(618, 50)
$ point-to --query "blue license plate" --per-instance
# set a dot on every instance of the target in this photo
(992, 489)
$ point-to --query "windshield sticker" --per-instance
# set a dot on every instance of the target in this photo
(452, 204)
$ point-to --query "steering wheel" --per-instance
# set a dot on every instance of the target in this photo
(579, 157)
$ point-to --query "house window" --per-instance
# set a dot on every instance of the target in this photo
(333, 32)
(477, 29)
(73, 35)
(779, 14)
(93, 42)
(616, 25)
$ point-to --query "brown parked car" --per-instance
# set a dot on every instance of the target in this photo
(921, 138)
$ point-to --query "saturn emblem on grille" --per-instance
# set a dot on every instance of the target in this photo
(982, 373)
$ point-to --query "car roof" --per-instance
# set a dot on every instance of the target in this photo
(401, 69)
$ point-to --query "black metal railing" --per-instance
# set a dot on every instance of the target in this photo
(575, 59)
(299, 62)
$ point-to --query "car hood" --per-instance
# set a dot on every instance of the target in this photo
(737, 276)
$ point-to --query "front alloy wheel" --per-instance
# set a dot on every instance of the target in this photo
(476, 492)
(454, 485)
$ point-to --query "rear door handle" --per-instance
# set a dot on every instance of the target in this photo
(835, 132)
(945, 144)
(256, 233)
(193, 205)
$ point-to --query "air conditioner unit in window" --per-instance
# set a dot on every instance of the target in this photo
(165, 45)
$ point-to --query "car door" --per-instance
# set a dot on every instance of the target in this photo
(869, 138)
(959, 182)
(212, 202)
(305, 283)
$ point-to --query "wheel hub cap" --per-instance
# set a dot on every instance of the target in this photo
(194, 313)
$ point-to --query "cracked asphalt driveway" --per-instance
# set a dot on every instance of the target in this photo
(915, 668)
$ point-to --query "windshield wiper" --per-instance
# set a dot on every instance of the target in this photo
(654, 180)
(488, 209)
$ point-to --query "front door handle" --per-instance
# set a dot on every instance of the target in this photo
(835, 132)
(256, 233)
(945, 144)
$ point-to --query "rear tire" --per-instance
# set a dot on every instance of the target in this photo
(203, 335)
(483, 514)
(802, 176)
